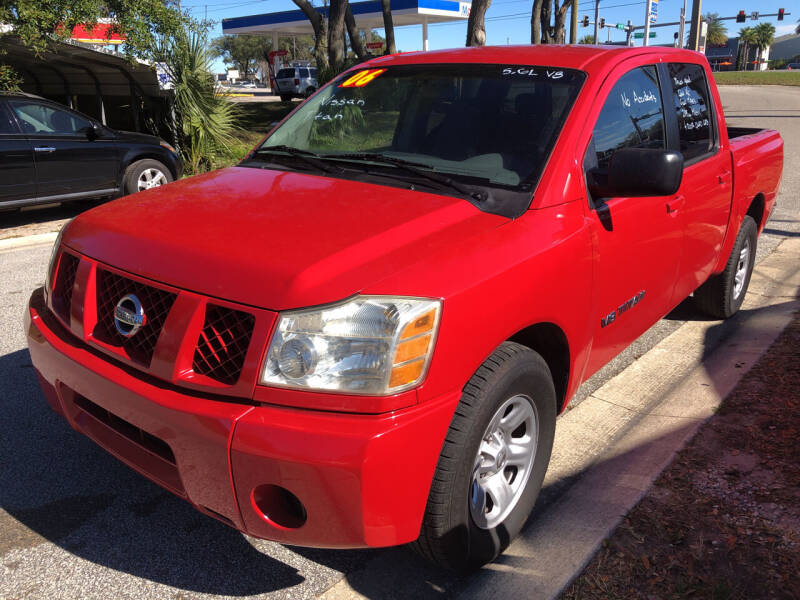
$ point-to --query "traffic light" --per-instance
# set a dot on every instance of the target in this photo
(602, 22)
(780, 14)
(740, 18)
(585, 21)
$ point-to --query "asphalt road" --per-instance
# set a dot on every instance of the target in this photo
(76, 523)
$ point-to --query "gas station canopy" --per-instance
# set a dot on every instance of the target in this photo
(367, 15)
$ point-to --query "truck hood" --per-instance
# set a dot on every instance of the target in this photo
(273, 239)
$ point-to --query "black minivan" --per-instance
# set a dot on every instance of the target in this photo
(49, 153)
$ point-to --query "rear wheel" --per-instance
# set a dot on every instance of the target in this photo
(493, 461)
(285, 97)
(146, 174)
(722, 295)
(310, 90)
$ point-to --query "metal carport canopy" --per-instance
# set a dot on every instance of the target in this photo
(367, 14)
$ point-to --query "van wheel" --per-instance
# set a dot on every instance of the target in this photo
(285, 98)
(146, 174)
(493, 461)
(722, 295)
(310, 91)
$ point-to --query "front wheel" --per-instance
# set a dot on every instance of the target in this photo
(722, 295)
(286, 97)
(493, 461)
(146, 174)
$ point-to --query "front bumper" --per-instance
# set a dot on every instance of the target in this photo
(363, 480)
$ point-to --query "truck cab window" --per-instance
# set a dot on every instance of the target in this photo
(691, 103)
(632, 116)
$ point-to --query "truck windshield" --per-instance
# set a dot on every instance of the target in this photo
(492, 124)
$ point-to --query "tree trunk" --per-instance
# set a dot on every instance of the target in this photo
(573, 29)
(388, 26)
(559, 30)
(320, 32)
(536, 23)
(336, 33)
(355, 37)
(476, 31)
(547, 33)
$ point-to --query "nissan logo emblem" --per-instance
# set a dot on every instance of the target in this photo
(129, 315)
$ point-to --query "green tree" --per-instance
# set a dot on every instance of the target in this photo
(241, 52)
(587, 39)
(717, 33)
(765, 35)
(747, 39)
(206, 119)
(142, 22)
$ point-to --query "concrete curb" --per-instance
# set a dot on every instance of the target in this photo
(610, 448)
(28, 240)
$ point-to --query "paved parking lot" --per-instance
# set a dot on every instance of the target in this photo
(76, 523)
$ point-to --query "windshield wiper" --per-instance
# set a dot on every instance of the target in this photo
(416, 168)
(306, 156)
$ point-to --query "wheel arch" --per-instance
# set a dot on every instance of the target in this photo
(756, 210)
(550, 342)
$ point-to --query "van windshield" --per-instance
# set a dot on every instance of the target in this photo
(491, 123)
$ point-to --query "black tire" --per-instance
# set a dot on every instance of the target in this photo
(449, 536)
(286, 97)
(137, 169)
(310, 91)
(717, 296)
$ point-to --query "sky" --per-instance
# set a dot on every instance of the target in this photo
(508, 21)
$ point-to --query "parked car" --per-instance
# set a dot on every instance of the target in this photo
(793, 67)
(247, 84)
(293, 82)
(362, 334)
(50, 154)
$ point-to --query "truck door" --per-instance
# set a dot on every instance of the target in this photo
(707, 182)
(636, 240)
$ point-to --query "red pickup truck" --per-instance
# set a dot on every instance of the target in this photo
(362, 334)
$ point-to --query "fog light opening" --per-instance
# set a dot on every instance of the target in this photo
(278, 506)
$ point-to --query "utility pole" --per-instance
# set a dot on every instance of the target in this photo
(573, 30)
(629, 33)
(694, 31)
(682, 30)
(648, 6)
(597, 22)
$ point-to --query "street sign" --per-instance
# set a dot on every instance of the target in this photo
(653, 11)
(620, 26)
(374, 45)
(640, 35)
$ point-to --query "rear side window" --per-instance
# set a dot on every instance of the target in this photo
(691, 103)
(285, 74)
(303, 73)
(632, 116)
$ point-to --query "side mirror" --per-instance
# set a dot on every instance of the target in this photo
(638, 172)
(93, 131)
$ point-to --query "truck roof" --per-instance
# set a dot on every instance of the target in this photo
(565, 56)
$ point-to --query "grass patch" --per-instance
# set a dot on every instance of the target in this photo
(757, 78)
(259, 116)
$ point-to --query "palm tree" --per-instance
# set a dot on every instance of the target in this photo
(388, 26)
(765, 35)
(587, 39)
(717, 33)
(747, 36)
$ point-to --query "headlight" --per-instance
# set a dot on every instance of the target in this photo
(374, 345)
(51, 265)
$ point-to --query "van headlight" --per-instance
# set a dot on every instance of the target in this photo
(373, 345)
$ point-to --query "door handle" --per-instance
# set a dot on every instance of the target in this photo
(674, 205)
(44, 149)
(723, 177)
